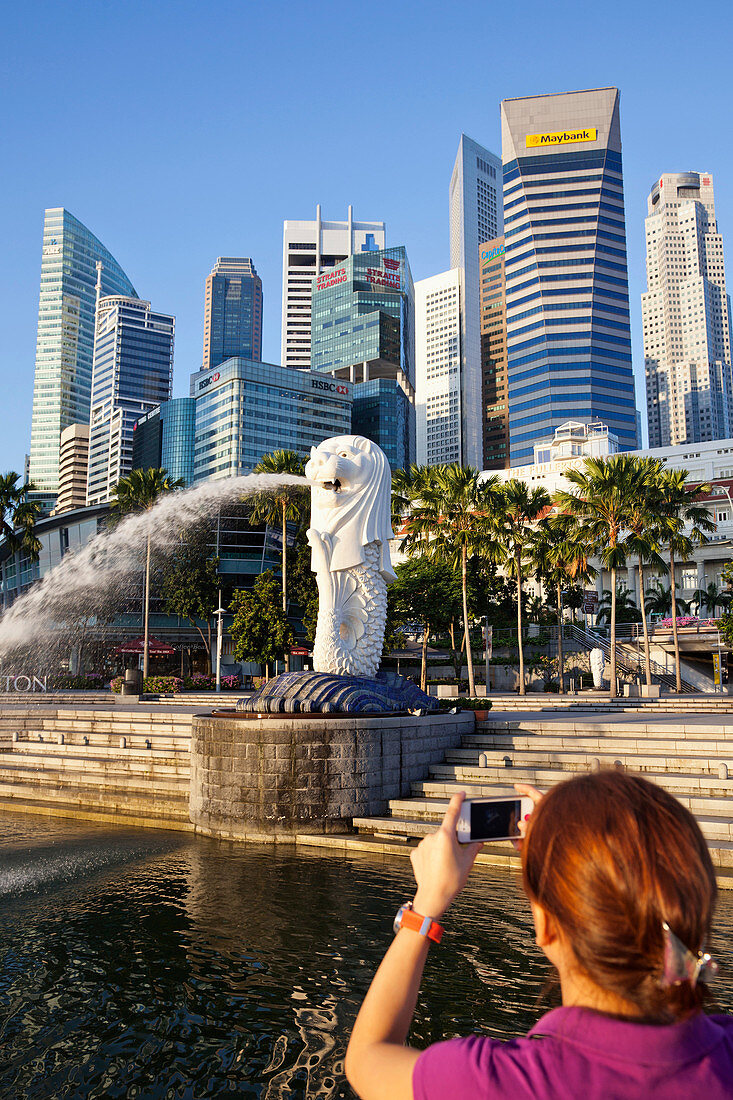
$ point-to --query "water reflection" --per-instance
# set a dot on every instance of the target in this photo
(179, 967)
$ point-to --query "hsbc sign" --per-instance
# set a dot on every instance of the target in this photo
(329, 387)
(206, 382)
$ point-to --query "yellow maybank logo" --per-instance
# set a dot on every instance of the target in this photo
(560, 137)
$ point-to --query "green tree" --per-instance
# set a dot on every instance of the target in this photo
(644, 538)
(191, 584)
(450, 507)
(659, 599)
(18, 515)
(710, 597)
(285, 501)
(514, 516)
(725, 623)
(139, 492)
(560, 556)
(601, 502)
(302, 586)
(427, 592)
(260, 628)
(684, 524)
(626, 609)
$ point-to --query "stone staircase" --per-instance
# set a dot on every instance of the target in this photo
(692, 758)
(127, 766)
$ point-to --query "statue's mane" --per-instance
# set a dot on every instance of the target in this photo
(364, 519)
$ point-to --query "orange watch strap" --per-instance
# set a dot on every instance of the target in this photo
(424, 925)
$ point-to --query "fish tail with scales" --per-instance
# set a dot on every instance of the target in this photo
(351, 618)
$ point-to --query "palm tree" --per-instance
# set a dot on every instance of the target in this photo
(604, 489)
(710, 597)
(560, 556)
(644, 541)
(282, 503)
(684, 524)
(449, 520)
(18, 515)
(659, 599)
(139, 492)
(626, 609)
(517, 510)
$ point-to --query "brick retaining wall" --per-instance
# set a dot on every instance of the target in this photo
(284, 775)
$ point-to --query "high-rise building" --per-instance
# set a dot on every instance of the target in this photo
(65, 343)
(163, 439)
(438, 368)
(363, 331)
(310, 248)
(568, 337)
(475, 216)
(133, 372)
(73, 463)
(494, 401)
(232, 312)
(686, 315)
(245, 410)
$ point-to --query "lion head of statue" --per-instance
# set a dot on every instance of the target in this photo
(350, 499)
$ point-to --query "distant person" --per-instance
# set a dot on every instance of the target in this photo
(622, 892)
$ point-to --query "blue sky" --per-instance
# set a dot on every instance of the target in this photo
(178, 132)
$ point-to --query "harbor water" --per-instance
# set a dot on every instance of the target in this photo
(150, 965)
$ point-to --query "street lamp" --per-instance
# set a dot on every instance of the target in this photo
(220, 612)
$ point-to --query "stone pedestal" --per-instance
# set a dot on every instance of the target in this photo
(271, 778)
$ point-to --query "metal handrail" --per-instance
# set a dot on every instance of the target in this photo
(626, 663)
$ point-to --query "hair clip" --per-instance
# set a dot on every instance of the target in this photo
(681, 965)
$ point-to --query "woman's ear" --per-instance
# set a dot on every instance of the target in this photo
(544, 926)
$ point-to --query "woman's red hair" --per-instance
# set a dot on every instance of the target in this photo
(610, 856)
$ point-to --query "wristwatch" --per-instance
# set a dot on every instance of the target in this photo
(425, 926)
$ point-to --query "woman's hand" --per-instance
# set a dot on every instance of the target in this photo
(528, 792)
(441, 865)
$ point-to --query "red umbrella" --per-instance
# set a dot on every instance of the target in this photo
(156, 648)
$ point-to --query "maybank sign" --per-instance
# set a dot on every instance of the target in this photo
(560, 137)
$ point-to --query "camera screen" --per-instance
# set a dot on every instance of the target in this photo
(495, 819)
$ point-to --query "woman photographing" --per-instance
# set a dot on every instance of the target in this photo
(622, 893)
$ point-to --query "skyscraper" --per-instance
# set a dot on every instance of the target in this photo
(232, 312)
(65, 342)
(163, 438)
(133, 372)
(73, 464)
(310, 248)
(475, 216)
(494, 400)
(568, 337)
(438, 368)
(363, 331)
(686, 315)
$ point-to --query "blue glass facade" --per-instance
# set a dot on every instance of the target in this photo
(233, 312)
(133, 369)
(65, 342)
(363, 331)
(246, 409)
(178, 418)
(382, 412)
(568, 333)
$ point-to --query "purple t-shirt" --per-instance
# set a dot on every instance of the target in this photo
(574, 1052)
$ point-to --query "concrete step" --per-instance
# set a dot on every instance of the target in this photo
(690, 784)
(84, 797)
(522, 741)
(646, 727)
(107, 816)
(132, 755)
(493, 763)
(713, 812)
(145, 785)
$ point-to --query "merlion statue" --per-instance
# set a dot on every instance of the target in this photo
(351, 491)
(349, 537)
(597, 664)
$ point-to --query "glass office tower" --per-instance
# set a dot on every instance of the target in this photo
(163, 438)
(363, 331)
(475, 216)
(568, 338)
(232, 312)
(133, 372)
(65, 342)
(247, 409)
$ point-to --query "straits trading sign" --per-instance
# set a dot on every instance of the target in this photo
(331, 278)
(389, 275)
(561, 137)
